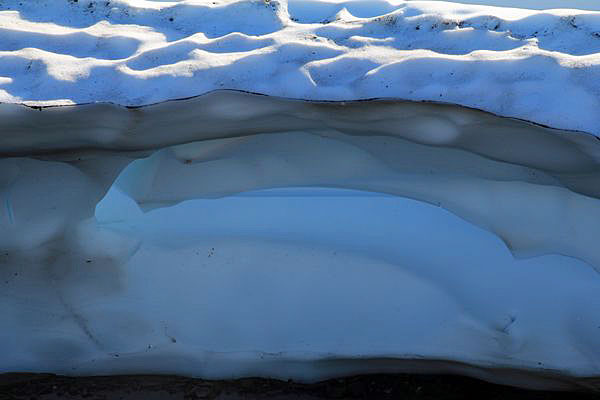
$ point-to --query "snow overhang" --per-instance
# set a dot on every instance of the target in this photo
(488, 113)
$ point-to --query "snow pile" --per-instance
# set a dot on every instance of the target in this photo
(538, 66)
(238, 234)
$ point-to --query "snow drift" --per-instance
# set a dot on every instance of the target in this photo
(250, 133)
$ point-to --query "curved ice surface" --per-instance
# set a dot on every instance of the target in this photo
(309, 282)
(256, 280)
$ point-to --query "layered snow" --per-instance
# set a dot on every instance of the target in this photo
(290, 280)
(273, 222)
(542, 66)
(492, 171)
(304, 284)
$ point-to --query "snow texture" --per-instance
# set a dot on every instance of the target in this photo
(541, 66)
(300, 282)
(233, 234)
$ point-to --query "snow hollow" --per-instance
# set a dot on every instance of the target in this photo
(301, 189)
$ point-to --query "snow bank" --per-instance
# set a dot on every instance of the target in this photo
(278, 285)
(271, 233)
(541, 66)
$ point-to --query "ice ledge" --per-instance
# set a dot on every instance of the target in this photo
(468, 159)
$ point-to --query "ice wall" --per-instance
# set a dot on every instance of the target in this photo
(355, 106)
(521, 181)
(533, 187)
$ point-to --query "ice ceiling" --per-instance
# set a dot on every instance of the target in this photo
(521, 181)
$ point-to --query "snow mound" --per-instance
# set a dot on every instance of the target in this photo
(541, 66)
(265, 224)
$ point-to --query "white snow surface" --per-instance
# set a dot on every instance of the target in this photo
(538, 65)
(537, 4)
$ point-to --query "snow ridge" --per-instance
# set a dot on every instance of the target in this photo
(541, 66)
